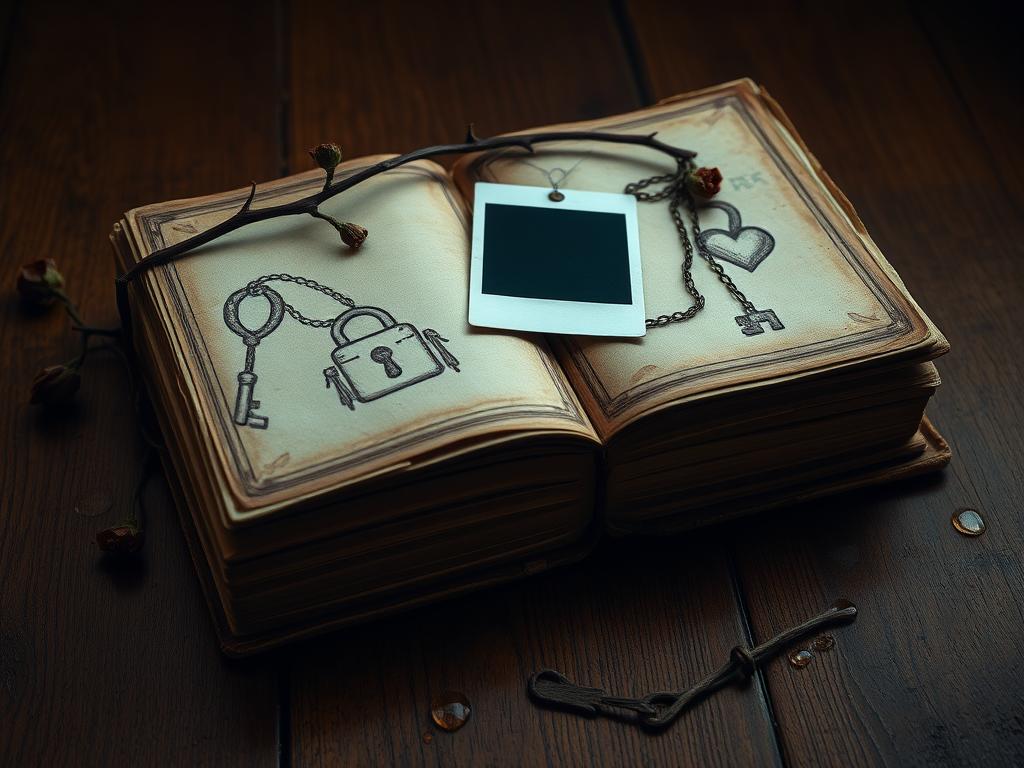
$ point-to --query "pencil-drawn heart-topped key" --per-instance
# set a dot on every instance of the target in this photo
(245, 406)
(745, 247)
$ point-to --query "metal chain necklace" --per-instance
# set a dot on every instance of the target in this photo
(556, 195)
(676, 193)
(256, 288)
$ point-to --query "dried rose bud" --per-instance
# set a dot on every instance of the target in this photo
(353, 235)
(39, 281)
(327, 156)
(704, 182)
(55, 385)
(120, 539)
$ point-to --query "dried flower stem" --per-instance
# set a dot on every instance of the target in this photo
(78, 324)
(69, 306)
(309, 205)
(329, 219)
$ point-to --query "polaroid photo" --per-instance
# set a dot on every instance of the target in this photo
(570, 266)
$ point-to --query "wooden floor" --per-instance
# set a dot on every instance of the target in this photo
(917, 115)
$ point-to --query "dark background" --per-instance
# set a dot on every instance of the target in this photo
(916, 113)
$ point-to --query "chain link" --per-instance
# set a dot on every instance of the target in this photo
(675, 191)
(256, 288)
(716, 267)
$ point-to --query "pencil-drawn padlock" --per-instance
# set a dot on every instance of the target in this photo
(384, 361)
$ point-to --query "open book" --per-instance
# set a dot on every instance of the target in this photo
(384, 452)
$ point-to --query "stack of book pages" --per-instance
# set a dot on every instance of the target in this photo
(316, 491)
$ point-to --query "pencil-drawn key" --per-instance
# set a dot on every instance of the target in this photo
(751, 322)
(383, 360)
(245, 406)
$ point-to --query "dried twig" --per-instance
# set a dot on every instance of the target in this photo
(309, 206)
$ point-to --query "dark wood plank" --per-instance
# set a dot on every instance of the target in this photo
(929, 672)
(363, 697)
(636, 618)
(985, 62)
(104, 107)
(8, 9)
(392, 76)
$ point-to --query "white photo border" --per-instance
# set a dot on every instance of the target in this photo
(576, 318)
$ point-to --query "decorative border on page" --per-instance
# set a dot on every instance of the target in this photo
(222, 392)
(612, 406)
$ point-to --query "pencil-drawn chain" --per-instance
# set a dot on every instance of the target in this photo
(744, 246)
(366, 367)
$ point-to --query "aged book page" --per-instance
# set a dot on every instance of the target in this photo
(776, 228)
(449, 390)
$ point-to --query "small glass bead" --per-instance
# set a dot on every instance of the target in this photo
(824, 643)
(968, 522)
(801, 658)
(450, 710)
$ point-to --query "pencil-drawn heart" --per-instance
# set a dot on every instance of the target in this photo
(745, 247)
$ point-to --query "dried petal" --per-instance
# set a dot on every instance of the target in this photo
(704, 182)
(327, 156)
(55, 385)
(39, 281)
(353, 235)
(122, 538)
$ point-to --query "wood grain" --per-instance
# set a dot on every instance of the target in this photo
(391, 76)
(914, 111)
(924, 675)
(637, 617)
(363, 697)
(8, 10)
(103, 107)
(984, 62)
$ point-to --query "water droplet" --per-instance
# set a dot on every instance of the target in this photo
(427, 737)
(801, 658)
(94, 504)
(824, 643)
(450, 710)
(968, 522)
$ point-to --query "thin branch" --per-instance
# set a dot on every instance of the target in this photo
(329, 219)
(309, 205)
(248, 202)
(661, 708)
(69, 306)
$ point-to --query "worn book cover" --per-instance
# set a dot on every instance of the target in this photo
(372, 421)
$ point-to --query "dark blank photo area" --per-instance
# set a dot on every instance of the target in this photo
(543, 253)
